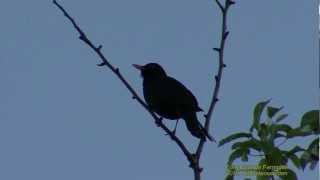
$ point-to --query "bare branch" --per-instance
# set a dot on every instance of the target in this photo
(220, 5)
(192, 158)
(221, 65)
(135, 95)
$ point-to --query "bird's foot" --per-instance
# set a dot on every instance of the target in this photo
(159, 121)
(175, 128)
(172, 132)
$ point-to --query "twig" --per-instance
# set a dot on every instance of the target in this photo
(135, 95)
(192, 158)
(221, 65)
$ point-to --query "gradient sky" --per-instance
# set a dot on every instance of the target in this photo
(62, 117)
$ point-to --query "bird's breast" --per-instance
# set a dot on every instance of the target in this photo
(159, 98)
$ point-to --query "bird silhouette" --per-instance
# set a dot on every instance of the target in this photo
(171, 99)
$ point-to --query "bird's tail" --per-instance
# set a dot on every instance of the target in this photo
(195, 127)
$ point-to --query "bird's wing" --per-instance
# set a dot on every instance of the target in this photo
(180, 95)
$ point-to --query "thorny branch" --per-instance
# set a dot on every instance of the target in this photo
(221, 65)
(192, 158)
(116, 71)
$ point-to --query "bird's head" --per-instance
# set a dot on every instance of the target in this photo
(151, 70)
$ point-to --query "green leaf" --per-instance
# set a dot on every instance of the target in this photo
(294, 158)
(262, 163)
(305, 159)
(307, 129)
(253, 144)
(314, 147)
(276, 128)
(236, 154)
(299, 132)
(311, 156)
(233, 137)
(281, 117)
(257, 114)
(274, 155)
(263, 131)
(262, 177)
(271, 111)
(280, 127)
(244, 156)
(229, 177)
(289, 176)
(296, 149)
(311, 119)
(313, 164)
(277, 135)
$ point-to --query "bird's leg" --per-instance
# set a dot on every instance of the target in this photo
(175, 127)
(178, 115)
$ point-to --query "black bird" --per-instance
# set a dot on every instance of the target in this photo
(171, 99)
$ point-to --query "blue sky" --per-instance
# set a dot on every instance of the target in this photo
(61, 117)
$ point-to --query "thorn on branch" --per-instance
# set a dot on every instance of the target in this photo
(223, 65)
(217, 49)
(158, 121)
(216, 78)
(99, 47)
(101, 64)
(105, 62)
(82, 37)
(225, 35)
(230, 2)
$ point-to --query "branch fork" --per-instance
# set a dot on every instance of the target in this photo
(192, 158)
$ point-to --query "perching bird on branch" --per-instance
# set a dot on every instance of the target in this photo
(171, 99)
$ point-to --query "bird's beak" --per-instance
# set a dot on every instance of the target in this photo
(139, 67)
